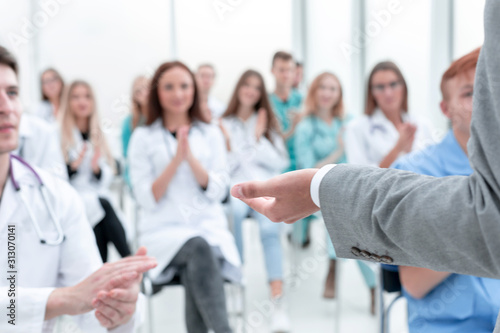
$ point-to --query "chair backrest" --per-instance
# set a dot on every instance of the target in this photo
(390, 278)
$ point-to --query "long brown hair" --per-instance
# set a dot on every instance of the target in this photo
(371, 104)
(137, 111)
(68, 124)
(154, 107)
(234, 103)
(58, 77)
(310, 103)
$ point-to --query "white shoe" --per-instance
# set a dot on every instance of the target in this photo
(280, 321)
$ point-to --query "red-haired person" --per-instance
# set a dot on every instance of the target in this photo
(178, 171)
(476, 300)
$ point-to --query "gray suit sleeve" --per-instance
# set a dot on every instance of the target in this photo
(447, 224)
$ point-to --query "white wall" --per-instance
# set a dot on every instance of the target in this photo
(233, 38)
(16, 36)
(328, 29)
(469, 29)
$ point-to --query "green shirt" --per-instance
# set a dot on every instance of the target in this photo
(282, 110)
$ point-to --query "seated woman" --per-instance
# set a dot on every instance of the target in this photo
(257, 152)
(178, 171)
(91, 166)
(318, 141)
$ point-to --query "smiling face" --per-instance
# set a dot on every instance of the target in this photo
(176, 91)
(388, 91)
(10, 109)
(81, 102)
(457, 102)
(249, 93)
(328, 93)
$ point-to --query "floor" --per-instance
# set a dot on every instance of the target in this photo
(305, 272)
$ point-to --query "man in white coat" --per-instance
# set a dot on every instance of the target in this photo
(44, 280)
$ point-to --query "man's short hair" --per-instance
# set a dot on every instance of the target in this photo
(206, 65)
(459, 67)
(282, 55)
(8, 59)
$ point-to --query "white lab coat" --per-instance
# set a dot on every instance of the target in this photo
(39, 145)
(185, 210)
(252, 160)
(88, 186)
(45, 111)
(41, 268)
(369, 139)
(216, 107)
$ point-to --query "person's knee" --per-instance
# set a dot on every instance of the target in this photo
(105, 204)
(199, 246)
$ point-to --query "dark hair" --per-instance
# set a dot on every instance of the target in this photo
(154, 107)
(58, 76)
(263, 102)
(371, 104)
(282, 55)
(8, 59)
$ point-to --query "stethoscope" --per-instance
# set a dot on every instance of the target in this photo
(43, 190)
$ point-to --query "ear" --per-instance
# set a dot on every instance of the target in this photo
(444, 108)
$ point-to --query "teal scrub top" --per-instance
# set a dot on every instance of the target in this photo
(315, 140)
(461, 303)
(281, 110)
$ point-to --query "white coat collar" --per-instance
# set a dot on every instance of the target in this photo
(379, 117)
(10, 198)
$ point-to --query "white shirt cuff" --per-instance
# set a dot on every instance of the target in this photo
(316, 181)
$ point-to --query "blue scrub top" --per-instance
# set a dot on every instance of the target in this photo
(461, 303)
(281, 109)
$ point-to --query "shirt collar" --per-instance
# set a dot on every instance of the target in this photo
(454, 159)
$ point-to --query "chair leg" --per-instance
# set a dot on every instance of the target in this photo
(148, 292)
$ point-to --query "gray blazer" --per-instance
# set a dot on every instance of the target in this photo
(447, 224)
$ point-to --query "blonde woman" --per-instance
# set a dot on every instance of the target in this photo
(318, 141)
(90, 165)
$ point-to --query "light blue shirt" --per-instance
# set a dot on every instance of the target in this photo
(281, 110)
(461, 303)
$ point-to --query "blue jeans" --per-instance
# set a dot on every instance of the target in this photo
(269, 236)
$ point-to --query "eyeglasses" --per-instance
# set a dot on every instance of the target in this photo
(49, 81)
(380, 88)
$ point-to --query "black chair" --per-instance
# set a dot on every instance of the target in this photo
(390, 283)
